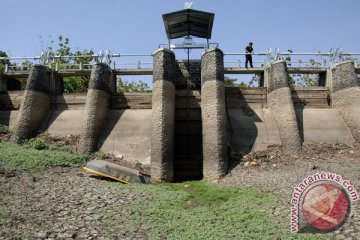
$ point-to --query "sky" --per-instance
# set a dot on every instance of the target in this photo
(136, 26)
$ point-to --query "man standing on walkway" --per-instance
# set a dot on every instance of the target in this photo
(249, 51)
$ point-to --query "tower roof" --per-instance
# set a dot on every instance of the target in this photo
(188, 22)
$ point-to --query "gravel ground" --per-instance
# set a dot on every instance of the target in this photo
(279, 174)
(65, 203)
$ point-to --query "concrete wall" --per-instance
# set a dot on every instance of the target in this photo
(213, 114)
(163, 116)
(96, 107)
(282, 107)
(252, 130)
(346, 95)
(127, 133)
(35, 103)
(258, 117)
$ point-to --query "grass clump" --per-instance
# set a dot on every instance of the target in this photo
(37, 143)
(201, 210)
(29, 156)
(4, 129)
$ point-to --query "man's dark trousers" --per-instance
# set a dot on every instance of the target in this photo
(248, 59)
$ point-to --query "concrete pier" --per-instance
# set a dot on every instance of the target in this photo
(35, 103)
(213, 114)
(346, 95)
(163, 116)
(282, 107)
(96, 107)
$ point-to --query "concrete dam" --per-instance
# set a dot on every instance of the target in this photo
(186, 133)
(190, 122)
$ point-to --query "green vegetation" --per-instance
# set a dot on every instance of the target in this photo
(125, 86)
(35, 155)
(201, 210)
(231, 82)
(80, 84)
(253, 82)
(72, 84)
(4, 129)
(3, 62)
(303, 80)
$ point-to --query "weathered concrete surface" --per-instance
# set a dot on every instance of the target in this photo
(35, 103)
(213, 115)
(8, 118)
(323, 125)
(163, 116)
(96, 110)
(11, 100)
(252, 130)
(96, 107)
(127, 133)
(343, 76)
(282, 108)
(63, 122)
(255, 129)
(346, 95)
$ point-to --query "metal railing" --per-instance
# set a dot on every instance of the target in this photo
(238, 63)
(261, 59)
(265, 58)
(53, 61)
(323, 59)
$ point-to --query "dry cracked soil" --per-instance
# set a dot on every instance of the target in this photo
(67, 203)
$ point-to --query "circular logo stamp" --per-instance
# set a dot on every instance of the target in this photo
(325, 206)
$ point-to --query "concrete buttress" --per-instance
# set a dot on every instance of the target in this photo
(282, 107)
(213, 114)
(96, 107)
(163, 116)
(346, 95)
(35, 103)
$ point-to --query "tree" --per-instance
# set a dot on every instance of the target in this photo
(304, 80)
(231, 82)
(125, 86)
(72, 84)
(3, 62)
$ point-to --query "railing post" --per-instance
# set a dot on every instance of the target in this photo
(6, 68)
(81, 67)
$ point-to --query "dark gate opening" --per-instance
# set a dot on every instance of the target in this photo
(188, 136)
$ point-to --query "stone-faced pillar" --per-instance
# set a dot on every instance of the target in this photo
(163, 116)
(282, 107)
(346, 95)
(213, 114)
(35, 103)
(96, 107)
